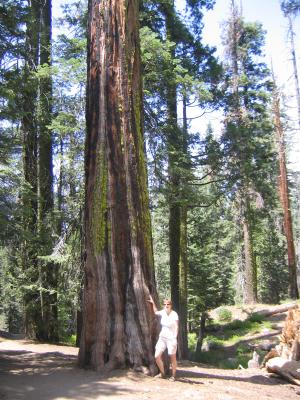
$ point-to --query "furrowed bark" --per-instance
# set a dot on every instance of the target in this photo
(119, 328)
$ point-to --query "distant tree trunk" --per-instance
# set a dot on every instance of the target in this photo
(284, 199)
(29, 196)
(177, 215)
(174, 194)
(60, 184)
(201, 334)
(183, 260)
(118, 325)
(294, 59)
(249, 292)
(47, 329)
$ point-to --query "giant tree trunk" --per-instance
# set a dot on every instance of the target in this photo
(284, 199)
(118, 325)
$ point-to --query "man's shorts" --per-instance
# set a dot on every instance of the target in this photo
(163, 344)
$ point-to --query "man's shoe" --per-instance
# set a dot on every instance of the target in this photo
(160, 375)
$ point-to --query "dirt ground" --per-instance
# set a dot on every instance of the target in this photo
(46, 372)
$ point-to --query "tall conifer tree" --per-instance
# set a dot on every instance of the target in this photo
(247, 133)
(119, 272)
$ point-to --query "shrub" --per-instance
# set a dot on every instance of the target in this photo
(224, 315)
(243, 349)
(192, 341)
(255, 317)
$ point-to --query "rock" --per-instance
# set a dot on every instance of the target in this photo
(254, 362)
(265, 345)
(205, 346)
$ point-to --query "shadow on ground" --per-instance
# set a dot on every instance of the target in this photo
(29, 375)
(52, 375)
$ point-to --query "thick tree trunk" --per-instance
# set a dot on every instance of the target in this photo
(284, 199)
(118, 325)
(47, 329)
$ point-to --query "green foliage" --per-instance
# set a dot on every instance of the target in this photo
(11, 290)
(290, 7)
(210, 254)
(230, 334)
(192, 341)
(23, 287)
(69, 340)
(250, 164)
(271, 258)
(160, 248)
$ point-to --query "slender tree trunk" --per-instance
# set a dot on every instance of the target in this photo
(250, 292)
(29, 196)
(47, 329)
(174, 144)
(174, 198)
(183, 260)
(118, 325)
(284, 199)
(60, 183)
(294, 59)
(201, 334)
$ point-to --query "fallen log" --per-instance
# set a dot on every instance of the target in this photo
(287, 369)
(283, 360)
(276, 310)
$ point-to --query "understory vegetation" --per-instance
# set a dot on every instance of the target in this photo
(229, 343)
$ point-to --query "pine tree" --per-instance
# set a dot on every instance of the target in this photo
(285, 196)
(247, 135)
(30, 162)
(178, 79)
(290, 9)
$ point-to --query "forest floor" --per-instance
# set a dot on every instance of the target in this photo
(35, 371)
